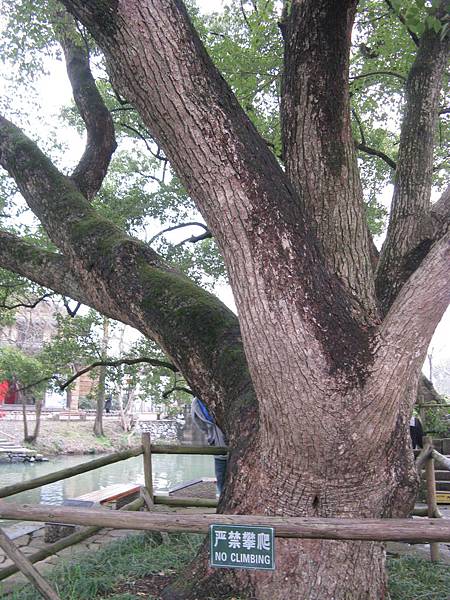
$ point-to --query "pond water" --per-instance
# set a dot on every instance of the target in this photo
(168, 470)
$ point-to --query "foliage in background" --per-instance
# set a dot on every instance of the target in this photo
(15, 365)
(383, 46)
(437, 421)
(75, 344)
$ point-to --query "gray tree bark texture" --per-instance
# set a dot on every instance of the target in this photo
(315, 383)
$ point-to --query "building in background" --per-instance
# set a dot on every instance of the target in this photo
(32, 328)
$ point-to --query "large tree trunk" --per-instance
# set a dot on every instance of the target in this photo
(341, 470)
(317, 409)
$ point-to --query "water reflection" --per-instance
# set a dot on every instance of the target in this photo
(168, 470)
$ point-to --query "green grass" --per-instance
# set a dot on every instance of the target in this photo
(98, 574)
(413, 578)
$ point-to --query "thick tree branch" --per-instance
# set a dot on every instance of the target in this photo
(441, 208)
(317, 137)
(418, 308)
(125, 279)
(410, 225)
(440, 215)
(53, 271)
(45, 268)
(117, 363)
(101, 142)
(228, 169)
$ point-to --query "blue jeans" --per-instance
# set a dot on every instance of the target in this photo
(220, 468)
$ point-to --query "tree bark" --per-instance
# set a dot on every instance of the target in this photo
(318, 143)
(100, 403)
(37, 424)
(100, 389)
(411, 232)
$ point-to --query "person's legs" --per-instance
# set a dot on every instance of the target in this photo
(220, 468)
(413, 433)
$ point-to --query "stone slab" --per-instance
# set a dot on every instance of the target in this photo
(20, 529)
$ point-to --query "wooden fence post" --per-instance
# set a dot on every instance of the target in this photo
(148, 478)
(431, 497)
(27, 568)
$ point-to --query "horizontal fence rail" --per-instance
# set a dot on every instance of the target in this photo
(186, 502)
(169, 449)
(16, 488)
(406, 530)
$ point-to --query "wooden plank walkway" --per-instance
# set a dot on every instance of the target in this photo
(111, 493)
(196, 488)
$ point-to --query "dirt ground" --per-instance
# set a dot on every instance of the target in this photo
(72, 437)
(150, 586)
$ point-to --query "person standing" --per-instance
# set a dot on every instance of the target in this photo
(416, 432)
(205, 422)
(108, 404)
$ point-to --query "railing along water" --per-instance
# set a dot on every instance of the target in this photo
(407, 530)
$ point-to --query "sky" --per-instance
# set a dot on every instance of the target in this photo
(54, 92)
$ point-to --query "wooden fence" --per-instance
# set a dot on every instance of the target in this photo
(424, 530)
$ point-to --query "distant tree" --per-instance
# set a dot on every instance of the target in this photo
(26, 375)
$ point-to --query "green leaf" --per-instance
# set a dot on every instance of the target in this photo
(434, 23)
